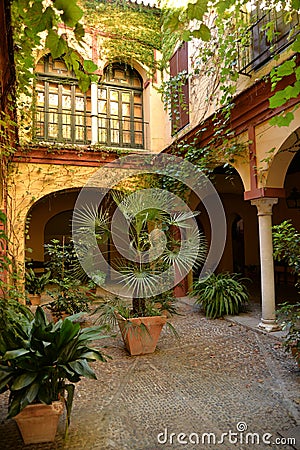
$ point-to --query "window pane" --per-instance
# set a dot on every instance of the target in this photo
(125, 97)
(66, 132)
(126, 109)
(40, 101)
(102, 93)
(114, 108)
(53, 99)
(126, 137)
(79, 135)
(114, 135)
(102, 107)
(138, 126)
(138, 111)
(40, 122)
(79, 103)
(136, 82)
(126, 124)
(137, 97)
(114, 95)
(138, 139)
(66, 102)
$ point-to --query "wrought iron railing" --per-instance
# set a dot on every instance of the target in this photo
(76, 128)
(259, 50)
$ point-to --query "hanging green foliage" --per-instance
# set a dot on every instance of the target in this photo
(131, 31)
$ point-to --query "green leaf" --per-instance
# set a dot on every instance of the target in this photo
(23, 380)
(296, 4)
(89, 66)
(278, 99)
(79, 32)
(71, 12)
(32, 392)
(12, 354)
(186, 35)
(56, 44)
(82, 368)
(282, 120)
(287, 68)
(196, 10)
(204, 33)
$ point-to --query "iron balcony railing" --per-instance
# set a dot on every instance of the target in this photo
(76, 128)
(259, 50)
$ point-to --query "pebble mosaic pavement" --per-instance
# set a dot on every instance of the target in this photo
(217, 375)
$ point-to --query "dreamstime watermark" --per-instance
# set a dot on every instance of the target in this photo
(240, 436)
(107, 180)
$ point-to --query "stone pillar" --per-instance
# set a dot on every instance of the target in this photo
(264, 212)
(94, 113)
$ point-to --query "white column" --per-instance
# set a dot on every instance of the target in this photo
(94, 112)
(264, 212)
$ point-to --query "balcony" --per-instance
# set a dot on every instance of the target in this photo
(260, 50)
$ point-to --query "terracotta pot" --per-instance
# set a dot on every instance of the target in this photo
(56, 316)
(140, 334)
(38, 422)
(296, 354)
(35, 299)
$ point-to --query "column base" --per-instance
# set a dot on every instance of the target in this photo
(269, 325)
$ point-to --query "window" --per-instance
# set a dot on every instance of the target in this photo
(120, 108)
(63, 112)
(180, 100)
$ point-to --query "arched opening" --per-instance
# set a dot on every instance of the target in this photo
(238, 245)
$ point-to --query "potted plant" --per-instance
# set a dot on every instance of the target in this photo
(150, 257)
(288, 316)
(39, 366)
(68, 297)
(35, 285)
(221, 294)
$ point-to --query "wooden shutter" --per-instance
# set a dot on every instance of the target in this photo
(179, 63)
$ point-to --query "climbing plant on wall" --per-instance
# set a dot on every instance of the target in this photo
(131, 30)
(221, 38)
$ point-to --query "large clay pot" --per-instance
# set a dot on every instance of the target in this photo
(140, 335)
(35, 299)
(38, 422)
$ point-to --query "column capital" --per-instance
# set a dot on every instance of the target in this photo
(264, 205)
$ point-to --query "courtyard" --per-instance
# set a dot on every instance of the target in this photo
(219, 377)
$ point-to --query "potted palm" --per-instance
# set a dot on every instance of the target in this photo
(150, 259)
(35, 285)
(39, 365)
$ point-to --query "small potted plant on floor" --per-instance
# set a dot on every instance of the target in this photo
(35, 285)
(220, 294)
(68, 297)
(39, 366)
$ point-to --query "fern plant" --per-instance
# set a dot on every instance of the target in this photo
(221, 294)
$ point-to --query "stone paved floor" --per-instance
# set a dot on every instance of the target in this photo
(217, 377)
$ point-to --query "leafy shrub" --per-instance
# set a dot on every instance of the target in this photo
(220, 294)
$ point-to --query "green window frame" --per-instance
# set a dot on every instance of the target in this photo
(120, 107)
(62, 111)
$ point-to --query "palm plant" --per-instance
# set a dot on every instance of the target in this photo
(155, 243)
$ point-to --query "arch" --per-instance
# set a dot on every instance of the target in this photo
(282, 160)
